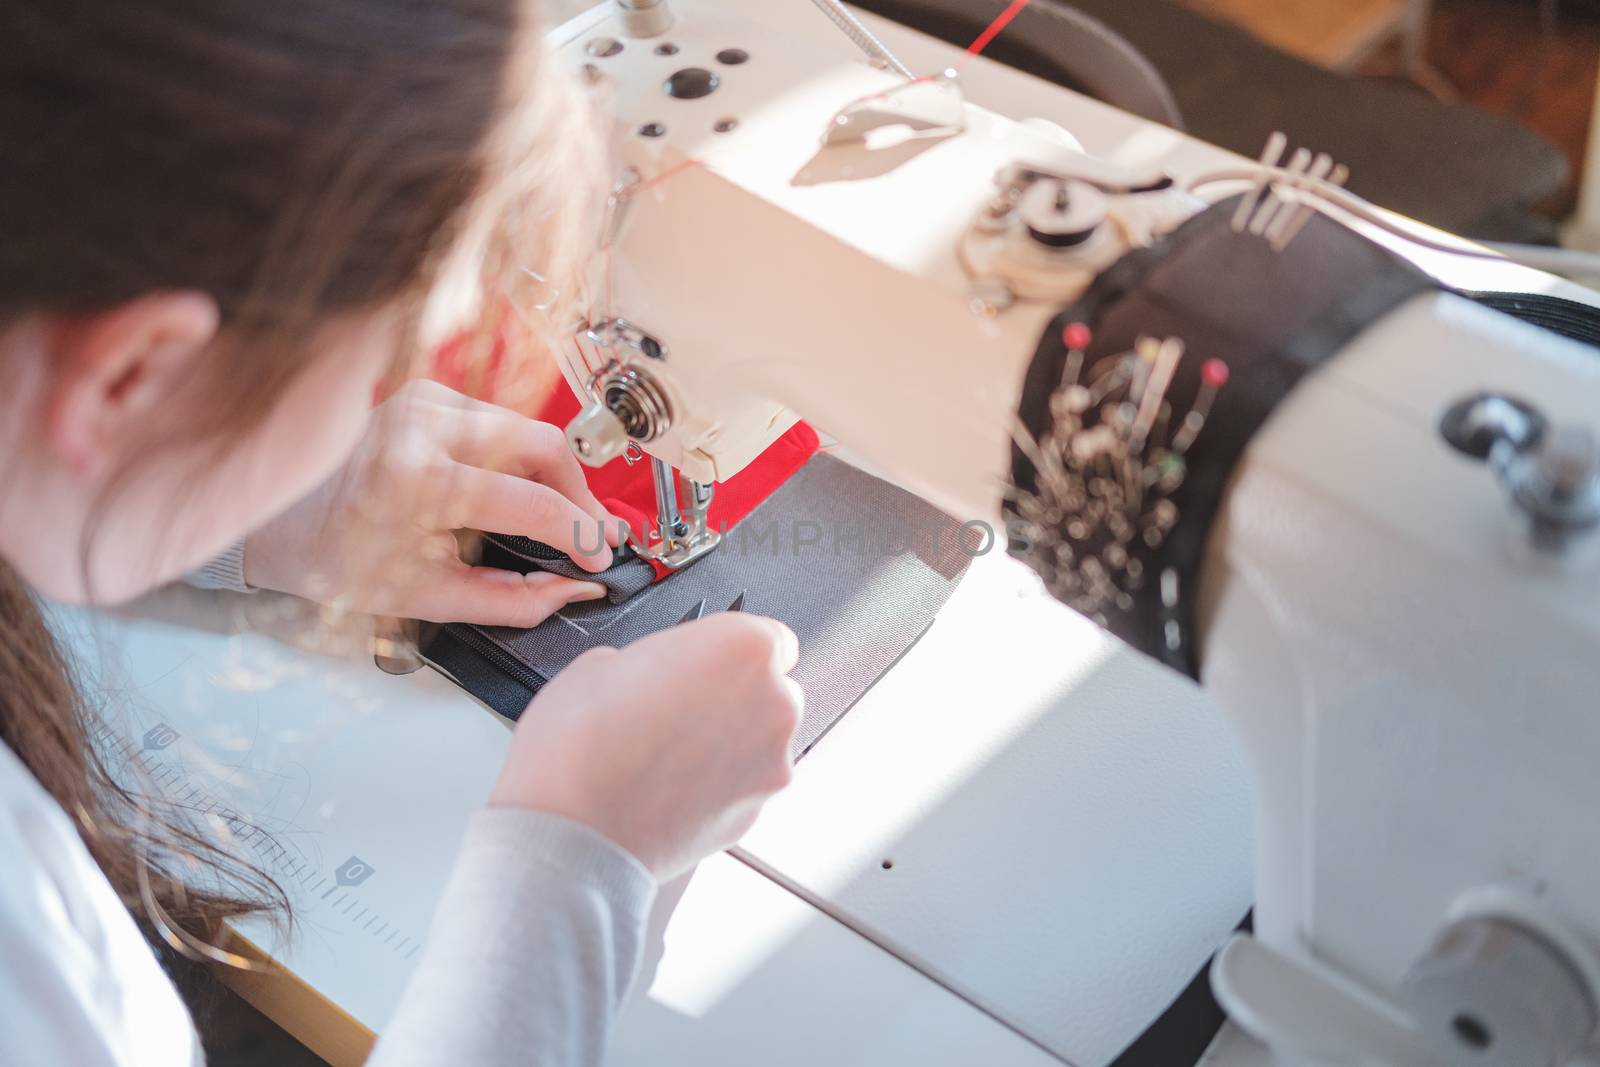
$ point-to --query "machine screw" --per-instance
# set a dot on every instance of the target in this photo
(1492, 993)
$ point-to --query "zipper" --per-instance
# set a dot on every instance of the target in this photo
(526, 547)
(529, 549)
(507, 664)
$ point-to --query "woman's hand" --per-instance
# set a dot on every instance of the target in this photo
(667, 747)
(380, 535)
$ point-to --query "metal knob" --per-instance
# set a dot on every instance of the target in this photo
(1476, 425)
(631, 407)
(1553, 476)
(1556, 486)
(1491, 993)
(596, 436)
(1061, 214)
(644, 18)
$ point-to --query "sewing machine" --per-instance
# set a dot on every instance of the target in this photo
(1398, 602)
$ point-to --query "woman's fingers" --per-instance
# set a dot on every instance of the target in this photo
(501, 440)
(426, 390)
(480, 434)
(506, 504)
(487, 596)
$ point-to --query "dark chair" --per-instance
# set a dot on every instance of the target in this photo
(1450, 165)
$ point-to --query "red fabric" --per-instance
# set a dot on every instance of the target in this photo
(629, 492)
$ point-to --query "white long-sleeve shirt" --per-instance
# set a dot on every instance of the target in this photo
(535, 942)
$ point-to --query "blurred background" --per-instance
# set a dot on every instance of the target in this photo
(1471, 115)
(1532, 61)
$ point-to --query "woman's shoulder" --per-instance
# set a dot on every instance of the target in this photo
(48, 885)
(73, 967)
(32, 824)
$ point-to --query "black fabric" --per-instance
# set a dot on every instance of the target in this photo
(1270, 316)
(1570, 319)
(627, 576)
(856, 567)
(477, 666)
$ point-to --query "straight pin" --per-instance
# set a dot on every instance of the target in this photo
(1299, 202)
(1275, 203)
(1166, 362)
(1269, 159)
(1213, 376)
(1338, 177)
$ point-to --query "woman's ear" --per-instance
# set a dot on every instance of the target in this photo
(113, 371)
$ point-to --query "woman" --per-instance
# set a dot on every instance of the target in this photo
(222, 223)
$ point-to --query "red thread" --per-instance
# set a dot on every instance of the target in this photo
(670, 172)
(610, 268)
(1001, 22)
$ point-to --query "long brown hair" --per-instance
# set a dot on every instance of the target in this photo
(296, 159)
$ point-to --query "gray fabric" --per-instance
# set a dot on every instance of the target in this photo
(224, 572)
(856, 567)
(533, 946)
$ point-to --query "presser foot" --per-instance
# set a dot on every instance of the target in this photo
(686, 532)
(678, 553)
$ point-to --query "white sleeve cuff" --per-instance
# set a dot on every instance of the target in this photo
(224, 572)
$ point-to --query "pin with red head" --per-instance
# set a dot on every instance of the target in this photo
(1077, 337)
(1213, 376)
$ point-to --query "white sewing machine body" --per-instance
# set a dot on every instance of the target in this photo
(1414, 684)
(802, 247)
